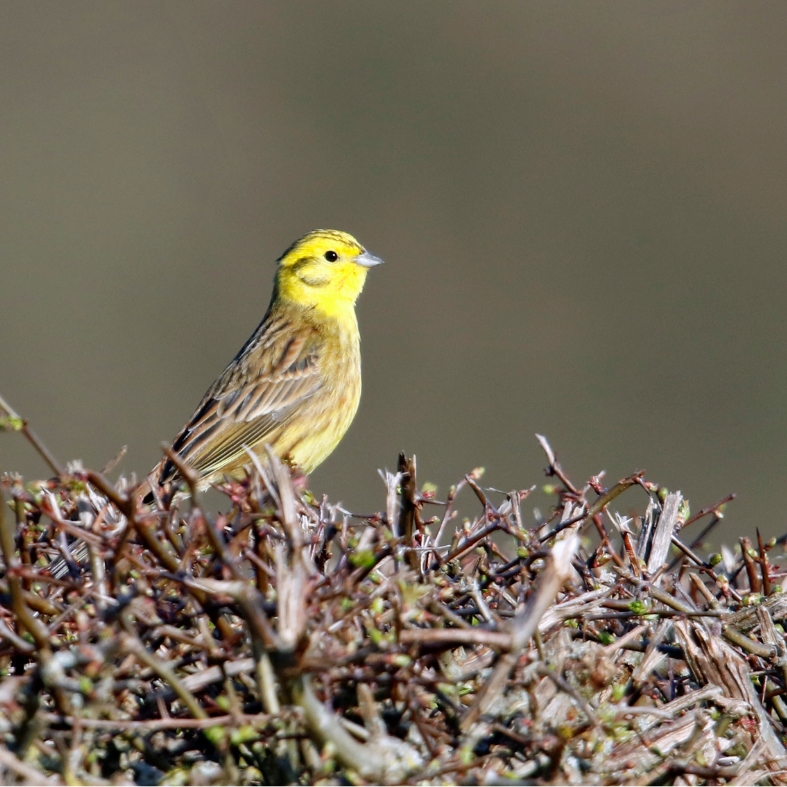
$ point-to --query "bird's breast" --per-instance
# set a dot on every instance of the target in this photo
(332, 409)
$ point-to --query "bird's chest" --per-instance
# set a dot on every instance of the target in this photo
(342, 374)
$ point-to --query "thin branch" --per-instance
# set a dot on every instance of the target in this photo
(9, 419)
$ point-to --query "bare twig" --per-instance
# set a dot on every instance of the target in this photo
(9, 419)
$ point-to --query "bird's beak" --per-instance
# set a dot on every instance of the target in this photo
(368, 260)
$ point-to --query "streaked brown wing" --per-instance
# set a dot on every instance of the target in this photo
(275, 373)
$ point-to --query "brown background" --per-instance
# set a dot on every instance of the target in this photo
(582, 207)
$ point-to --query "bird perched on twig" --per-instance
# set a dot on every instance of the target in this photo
(296, 383)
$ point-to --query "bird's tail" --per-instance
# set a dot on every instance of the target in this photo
(77, 554)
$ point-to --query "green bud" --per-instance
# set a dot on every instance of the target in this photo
(11, 424)
(565, 731)
(215, 735)
(244, 734)
(364, 558)
(376, 636)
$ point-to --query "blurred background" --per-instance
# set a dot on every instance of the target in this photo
(581, 206)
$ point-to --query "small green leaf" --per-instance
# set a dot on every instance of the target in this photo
(215, 735)
(11, 423)
(244, 734)
(364, 558)
(638, 607)
(377, 606)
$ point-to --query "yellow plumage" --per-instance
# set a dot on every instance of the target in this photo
(296, 383)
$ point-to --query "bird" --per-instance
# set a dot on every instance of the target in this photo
(295, 385)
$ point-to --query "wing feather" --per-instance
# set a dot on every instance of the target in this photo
(273, 375)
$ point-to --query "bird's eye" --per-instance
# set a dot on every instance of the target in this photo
(331, 256)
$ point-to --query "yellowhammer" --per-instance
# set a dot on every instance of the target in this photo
(296, 383)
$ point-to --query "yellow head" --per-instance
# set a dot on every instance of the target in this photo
(325, 270)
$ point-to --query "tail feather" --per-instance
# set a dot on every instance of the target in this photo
(77, 553)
